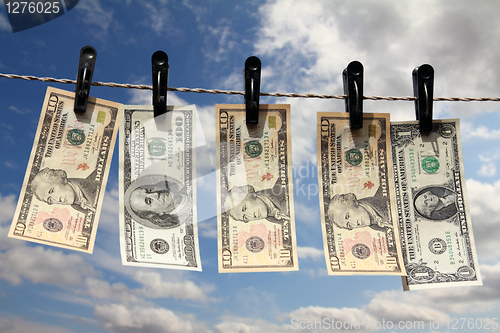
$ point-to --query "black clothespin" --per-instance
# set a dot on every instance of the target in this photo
(423, 87)
(159, 65)
(353, 88)
(86, 66)
(252, 89)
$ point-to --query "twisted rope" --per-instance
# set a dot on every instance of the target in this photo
(233, 92)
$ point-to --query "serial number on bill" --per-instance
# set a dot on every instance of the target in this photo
(32, 7)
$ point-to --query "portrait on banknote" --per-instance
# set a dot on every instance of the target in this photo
(244, 204)
(53, 186)
(158, 201)
(347, 212)
(435, 203)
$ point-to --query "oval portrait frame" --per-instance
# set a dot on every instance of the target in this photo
(437, 190)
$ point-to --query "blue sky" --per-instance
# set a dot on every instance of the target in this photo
(304, 45)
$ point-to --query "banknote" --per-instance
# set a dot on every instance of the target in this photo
(358, 211)
(157, 184)
(434, 219)
(65, 181)
(256, 224)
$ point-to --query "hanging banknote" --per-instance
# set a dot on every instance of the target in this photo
(65, 181)
(434, 219)
(158, 226)
(256, 225)
(358, 210)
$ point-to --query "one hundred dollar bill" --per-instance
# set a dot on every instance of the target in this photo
(358, 209)
(434, 220)
(65, 181)
(158, 226)
(255, 218)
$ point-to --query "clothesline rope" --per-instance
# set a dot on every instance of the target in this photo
(232, 92)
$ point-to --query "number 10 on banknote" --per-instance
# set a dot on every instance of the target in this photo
(358, 209)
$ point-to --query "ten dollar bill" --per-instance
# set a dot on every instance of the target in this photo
(356, 196)
(65, 181)
(255, 218)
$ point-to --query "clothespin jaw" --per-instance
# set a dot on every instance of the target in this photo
(86, 66)
(159, 65)
(353, 88)
(423, 90)
(252, 89)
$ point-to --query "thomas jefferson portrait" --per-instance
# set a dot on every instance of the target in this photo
(54, 187)
(158, 201)
(348, 212)
(244, 204)
(436, 203)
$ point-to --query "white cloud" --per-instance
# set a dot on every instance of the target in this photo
(40, 265)
(19, 111)
(12, 324)
(156, 287)
(7, 208)
(416, 308)
(223, 37)
(159, 19)
(308, 44)
(96, 17)
(488, 167)
(9, 164)
(4, 24)
(484, 205)
(305, 252)
(103, 290)
(118, 318)
(108, 219)
(480, 132)
(489, 161)
(237, 324)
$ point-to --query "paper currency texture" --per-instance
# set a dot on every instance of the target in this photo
(255, 221)
(356, 196)
(434, 219)
(65, 181)
(158, 226)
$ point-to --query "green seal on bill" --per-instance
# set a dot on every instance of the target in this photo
(353, 156)
(76, 136)
(430, 164)
(253, 148)
(156, 147)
